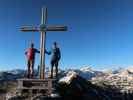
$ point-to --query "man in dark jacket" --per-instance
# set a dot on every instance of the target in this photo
(30, 53)
(56, 55)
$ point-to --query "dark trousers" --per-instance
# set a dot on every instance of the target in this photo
(30, 66)
(54, 63)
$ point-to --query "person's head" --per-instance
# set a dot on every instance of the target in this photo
(32, 45)
(55, 44)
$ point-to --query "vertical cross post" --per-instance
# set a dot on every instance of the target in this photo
(42, 43)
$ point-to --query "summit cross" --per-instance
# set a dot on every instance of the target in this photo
(43, 28)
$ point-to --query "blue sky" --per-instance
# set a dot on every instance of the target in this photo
(100, 32)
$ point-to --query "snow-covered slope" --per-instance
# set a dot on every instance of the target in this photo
(85, 72)
(122, 79)
(11, 75)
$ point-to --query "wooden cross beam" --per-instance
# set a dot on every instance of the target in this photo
(43, 28)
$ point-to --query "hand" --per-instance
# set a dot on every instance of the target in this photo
(25, 53)
(47, 53)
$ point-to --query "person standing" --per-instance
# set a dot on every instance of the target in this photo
(30, 53)
(56, 55)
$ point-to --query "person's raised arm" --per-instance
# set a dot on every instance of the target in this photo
(47, 52)
(37, 51)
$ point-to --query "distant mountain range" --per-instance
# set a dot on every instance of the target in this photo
(85, 72)
(113, 77)
(86, 82)
(121, 78)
